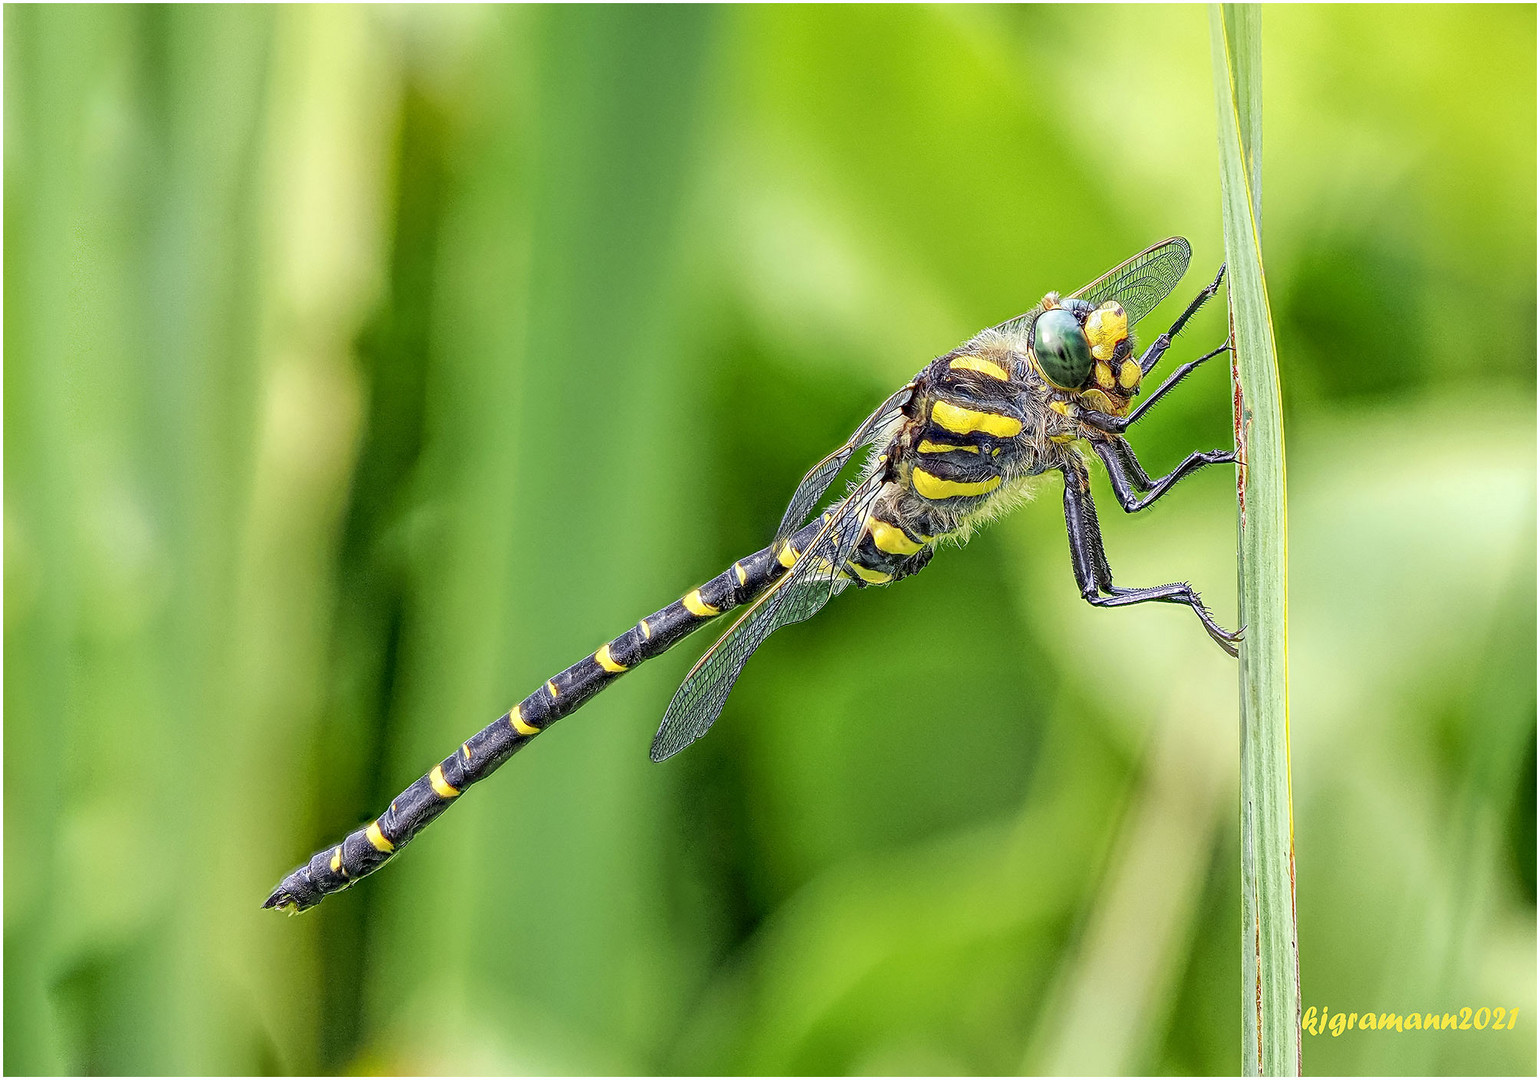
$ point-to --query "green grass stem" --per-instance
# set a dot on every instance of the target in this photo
(1270, 939)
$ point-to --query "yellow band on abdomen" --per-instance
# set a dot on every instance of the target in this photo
(891, 539)
(933, 487)
(698, 607)
(516, 718)
(608, 662)
(377, 838)
(871, 577)
(963, 421)
(443, 787)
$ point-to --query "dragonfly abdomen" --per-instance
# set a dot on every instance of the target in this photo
(367, 849)
(888, 549)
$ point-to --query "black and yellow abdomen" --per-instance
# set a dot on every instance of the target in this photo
(368, 848)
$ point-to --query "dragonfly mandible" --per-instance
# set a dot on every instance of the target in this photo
(959, 444)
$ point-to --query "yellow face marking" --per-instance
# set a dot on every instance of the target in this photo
(550, 684)
(1129, 374)
(608, 662)
(443, 787)
(743, 577)
(516, 718)
(377, 838)
(646, 630)
(1060, 407)
(891, 538)
(698, 607)
(933, 487)
(337, 860)
(966, 421)
(1105, 329)
(979, 364)
(788, 556)
(1104, 376)
(928, 447)
(871, 577)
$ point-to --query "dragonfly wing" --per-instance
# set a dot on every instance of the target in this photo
(811, 582)
(820, 476)
(1141, 283)
(1021, 325)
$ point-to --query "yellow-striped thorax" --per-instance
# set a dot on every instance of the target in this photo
(988, 417)
(976, 426)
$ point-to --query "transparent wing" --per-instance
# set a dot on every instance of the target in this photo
(1021, 325)
(820, 476)
(1139, 284)
(800, 594)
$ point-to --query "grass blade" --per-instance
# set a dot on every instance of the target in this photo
(1270, 954)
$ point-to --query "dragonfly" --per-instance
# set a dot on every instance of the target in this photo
(961, 443)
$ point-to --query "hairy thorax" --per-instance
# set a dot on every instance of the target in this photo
(979, 429)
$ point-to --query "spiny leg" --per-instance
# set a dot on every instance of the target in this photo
(1129, 478)
(1089, 558)
(1134, 472)
(1116, 425)
(1171, 380)
(1176, 593)
(1088, 555)
(1159, 346)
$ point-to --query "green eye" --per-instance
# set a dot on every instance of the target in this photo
(1062, 352)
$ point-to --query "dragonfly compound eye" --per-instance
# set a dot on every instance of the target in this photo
(1063, 354)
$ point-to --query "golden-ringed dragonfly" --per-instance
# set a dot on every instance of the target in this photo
(957, 445)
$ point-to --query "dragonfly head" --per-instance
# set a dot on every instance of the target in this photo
(1087, 351)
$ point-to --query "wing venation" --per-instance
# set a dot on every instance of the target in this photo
(1139, 284)
(820, 476)
(810, 583)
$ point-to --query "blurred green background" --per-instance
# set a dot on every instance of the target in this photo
(364, 367)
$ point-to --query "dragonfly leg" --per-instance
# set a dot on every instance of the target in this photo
(1120, 424)
(1116, 425)
(1089, 558)
(1159, 346)
(1175, 377)
(1087, 553)
(1129, 478)
(1176, 593)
